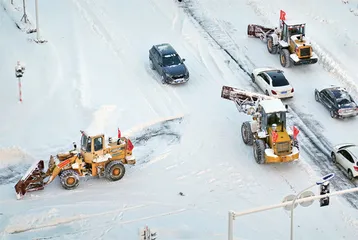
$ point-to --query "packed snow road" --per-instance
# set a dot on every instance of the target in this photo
(230, 34)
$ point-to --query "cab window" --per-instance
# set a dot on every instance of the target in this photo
(98, 144)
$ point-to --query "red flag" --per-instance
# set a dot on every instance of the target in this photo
(129, 145)
(119, 133)
(274, 136)
(282, 15)
(295, 132)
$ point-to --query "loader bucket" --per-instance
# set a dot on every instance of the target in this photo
(258, 31)
(31, 181)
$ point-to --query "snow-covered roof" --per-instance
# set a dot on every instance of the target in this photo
(271, 106)
(292, 23)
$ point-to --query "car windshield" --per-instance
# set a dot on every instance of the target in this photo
(171, 59)
(279, 80)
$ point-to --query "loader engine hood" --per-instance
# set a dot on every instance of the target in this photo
(302, 46)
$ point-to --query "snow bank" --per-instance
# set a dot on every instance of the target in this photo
(13, 155)
(15, 12)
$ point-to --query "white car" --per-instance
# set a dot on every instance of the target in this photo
(346, 157)
(272, 82)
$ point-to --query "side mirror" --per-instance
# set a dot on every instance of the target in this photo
(74, 145)
(183, 60)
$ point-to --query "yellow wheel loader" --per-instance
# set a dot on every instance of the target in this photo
(95, 158)
(289, 41)
(272, 141)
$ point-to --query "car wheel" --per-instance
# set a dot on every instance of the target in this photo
(333, 157)
(350, 174)
(267, 93)
(151, 64)
(163, 80)
(331, 112)
(316, 97)
(252, 77)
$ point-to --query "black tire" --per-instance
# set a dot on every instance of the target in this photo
(350, 174)
(295, 144)
(333, 157)
(333, 115)
(316, 97)
(285, 58)
(267, 93)
(246, 133)
(115, 170)
(151, 64)
(69, 179)
(163, 79)
(252, 77)
(259, 151)
(271, 48)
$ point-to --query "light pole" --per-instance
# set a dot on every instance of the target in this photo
(319, 182)
(37, 21)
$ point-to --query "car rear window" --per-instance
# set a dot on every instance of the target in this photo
(278, 80)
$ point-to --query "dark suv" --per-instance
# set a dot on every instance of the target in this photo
(167, 62)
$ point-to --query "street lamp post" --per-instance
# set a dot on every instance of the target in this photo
(320, 182)
(37, 20)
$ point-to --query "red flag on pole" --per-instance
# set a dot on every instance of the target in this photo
(274, 136)
(282, 15)
(119, 133)
(295, 132)
(129, 145)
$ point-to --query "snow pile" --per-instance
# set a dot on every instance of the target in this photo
(15, 12)
(13, 156)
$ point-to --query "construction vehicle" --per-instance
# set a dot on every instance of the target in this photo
(267, 132)
(95, 158)
(289, 41)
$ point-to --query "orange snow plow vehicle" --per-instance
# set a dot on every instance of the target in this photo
(95, 158)
(288, 40)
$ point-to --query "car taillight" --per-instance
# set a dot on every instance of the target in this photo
(355, 168)
(292, 90)
(273, 92)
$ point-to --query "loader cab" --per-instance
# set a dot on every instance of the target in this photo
(290, 29)
(273, 112)
(92, 146)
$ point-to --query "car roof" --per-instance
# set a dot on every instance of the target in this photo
(165, 49)
(271, 106)
(275, 74)
(354, 151)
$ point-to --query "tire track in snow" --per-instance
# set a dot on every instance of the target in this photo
(93, 7)
(85, 9)
(314, 144)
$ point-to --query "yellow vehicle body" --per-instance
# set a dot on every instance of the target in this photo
(95, 158)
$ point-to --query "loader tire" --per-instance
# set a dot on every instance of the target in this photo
(115, 170)
(69, 179)
(151, 64)
(271, 48)
(259, 151)
(246, 133)
(295, 144)
(285, 58)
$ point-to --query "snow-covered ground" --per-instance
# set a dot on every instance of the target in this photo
(93, 74)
